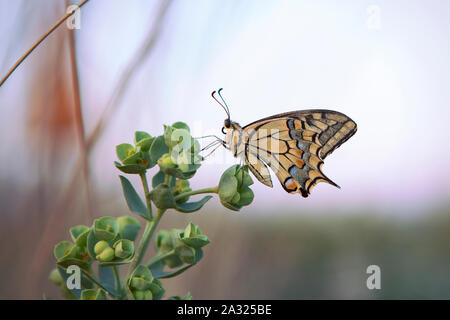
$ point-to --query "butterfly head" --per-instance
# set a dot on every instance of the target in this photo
(229, 126)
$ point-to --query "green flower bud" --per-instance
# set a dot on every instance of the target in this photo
(93, 294)
(141, 279)
(103, 251)
(236, 198)
(184, 166)
(157, 289)
(246, 197)
(68, 254)
(192, 237)
(181, 186)
(166, 162)
(165, 242)
(244, 178)
(186, 254)
(168, 130)
(123, 249)
(143, 294)
(106, 228)
(55, 277)
(234, 192)
(162, 197)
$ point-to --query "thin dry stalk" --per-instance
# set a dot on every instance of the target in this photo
(42, 251)
(79, 121)
(38, 42)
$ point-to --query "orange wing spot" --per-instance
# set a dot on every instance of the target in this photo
(296, 152)
(298, 162)
(291, 184)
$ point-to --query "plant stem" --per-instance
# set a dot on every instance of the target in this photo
(146, 192)
(200, 191)
(150, 228)
(160, 257)
(118, 286)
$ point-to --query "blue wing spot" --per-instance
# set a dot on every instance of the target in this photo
(293, 170)
(300, 145)
(305, 156)
(290, 124)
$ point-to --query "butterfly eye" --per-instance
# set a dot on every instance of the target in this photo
(227, 123)
(223, 130)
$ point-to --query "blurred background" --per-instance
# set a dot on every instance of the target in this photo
(139, 64)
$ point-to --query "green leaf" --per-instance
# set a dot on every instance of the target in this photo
(106, 277)
(79, 235)
(178, 173)
(134, 202)
(133, 159)
(192, 206)
(106, 228)
(157, 289)
(158, 273)
(140, 135)
(85, 282)
(158, 179)
(63, 249)
(145, 144)
(128, 227)
(157, 149)
(131, 168)
(181, 125)
(197, 241)
(124, 150)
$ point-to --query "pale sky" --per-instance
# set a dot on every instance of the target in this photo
(383, 63)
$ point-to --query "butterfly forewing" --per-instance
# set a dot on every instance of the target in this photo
(294, 145)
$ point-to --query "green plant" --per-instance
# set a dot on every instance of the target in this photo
(110, 243)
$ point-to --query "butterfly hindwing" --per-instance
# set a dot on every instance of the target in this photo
(294, 145)
(259, 169)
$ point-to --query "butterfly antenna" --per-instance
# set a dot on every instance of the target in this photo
(226, 110)
(224, 102)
